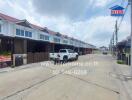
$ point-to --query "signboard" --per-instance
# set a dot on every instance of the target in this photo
(5, 61)
(117, 11)
(5, 58)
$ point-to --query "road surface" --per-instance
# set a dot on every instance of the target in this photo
(89, 78)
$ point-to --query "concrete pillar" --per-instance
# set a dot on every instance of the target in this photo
(52, 47)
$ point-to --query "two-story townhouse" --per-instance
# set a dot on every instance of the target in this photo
(28, 43)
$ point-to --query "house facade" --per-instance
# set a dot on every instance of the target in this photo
(32, 43)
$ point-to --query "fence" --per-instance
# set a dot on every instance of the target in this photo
(126, 58)
(37, 57)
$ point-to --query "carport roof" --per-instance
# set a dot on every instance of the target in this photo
(124, 43)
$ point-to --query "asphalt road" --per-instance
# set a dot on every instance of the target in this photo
(89, 78)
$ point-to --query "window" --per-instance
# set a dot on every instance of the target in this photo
(71, 42)
(62, 51)
(56, 40)
(41, 36)
(65, 41)
(44, 37)
(22, 32)
(28, 34)
(0, 27)
(18, 32)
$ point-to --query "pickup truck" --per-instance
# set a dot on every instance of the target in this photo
(64, 55)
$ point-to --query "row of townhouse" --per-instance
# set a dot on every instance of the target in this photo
(22, 28)
(20, 37)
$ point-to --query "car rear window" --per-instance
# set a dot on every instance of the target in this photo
(63, 51)
(70, 51)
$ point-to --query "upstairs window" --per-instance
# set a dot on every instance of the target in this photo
(22, 32)
(28, 34)
(56, 40)
(41, 36)
(71, 42)
(44, 37)
(65, 41)
(0, 27)
(18, 32)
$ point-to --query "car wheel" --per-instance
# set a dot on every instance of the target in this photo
(65, 59)
(77, 57)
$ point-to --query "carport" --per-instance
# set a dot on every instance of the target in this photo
(6, 51)
(37, 51)
(57, 47)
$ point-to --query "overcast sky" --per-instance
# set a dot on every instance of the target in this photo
(87, 20)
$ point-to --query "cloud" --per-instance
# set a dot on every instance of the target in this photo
(60, 16)
(74, 9)
(102, 3)
(97, 30)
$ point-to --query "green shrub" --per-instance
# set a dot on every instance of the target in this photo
(5, 53)
(120, 62)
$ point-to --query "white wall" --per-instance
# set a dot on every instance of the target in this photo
(9, 29)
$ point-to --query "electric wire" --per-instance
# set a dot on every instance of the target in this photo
(123, 16)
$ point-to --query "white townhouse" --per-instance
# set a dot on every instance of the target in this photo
(33, 43)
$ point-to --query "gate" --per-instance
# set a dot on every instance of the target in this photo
(37, 57)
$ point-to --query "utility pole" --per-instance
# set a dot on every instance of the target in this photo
(113, 37)
(116, 36)
(130, 3)
(116, 32)
(111, 45)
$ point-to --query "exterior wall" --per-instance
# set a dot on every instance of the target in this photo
(9, 29)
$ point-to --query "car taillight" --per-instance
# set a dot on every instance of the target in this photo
(58, 55)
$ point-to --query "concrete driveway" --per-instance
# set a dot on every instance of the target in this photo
(88, 78)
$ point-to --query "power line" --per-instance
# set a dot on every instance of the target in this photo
(123, 16)
(121, 5)
(122, 2)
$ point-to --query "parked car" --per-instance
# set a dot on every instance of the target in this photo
(64, 55)
(105, 52)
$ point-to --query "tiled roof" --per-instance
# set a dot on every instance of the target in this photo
(50, 31)
(8, 18)
(14, 20)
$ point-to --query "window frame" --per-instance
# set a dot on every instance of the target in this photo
(22, 32)
(44, 37)
(18, 32)
(29, 34)
(26, 33)
(57, 40)
(0, 28)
